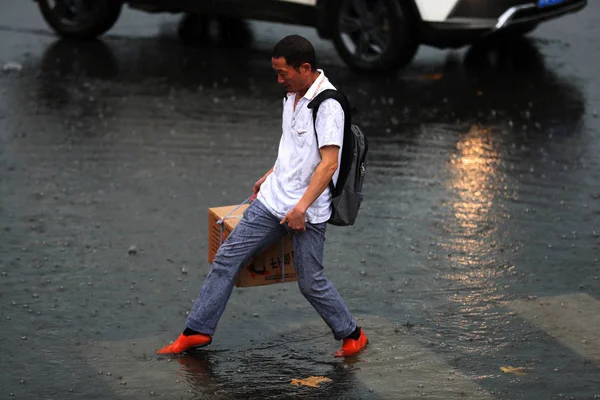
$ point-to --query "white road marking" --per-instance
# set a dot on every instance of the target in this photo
(573, 319)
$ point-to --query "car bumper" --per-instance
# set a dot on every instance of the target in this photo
(458, 30)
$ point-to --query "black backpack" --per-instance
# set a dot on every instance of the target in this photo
(347, 194)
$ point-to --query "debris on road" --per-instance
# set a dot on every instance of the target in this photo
(312, 381)
(516, 370)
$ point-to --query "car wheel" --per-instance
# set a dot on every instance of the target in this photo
(373, 35)
(80, 18)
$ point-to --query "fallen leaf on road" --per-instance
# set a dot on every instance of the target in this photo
(312, 381)
(516, 370)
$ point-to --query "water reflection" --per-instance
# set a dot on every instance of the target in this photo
(475, 181)
(476, 185)
(197, 370)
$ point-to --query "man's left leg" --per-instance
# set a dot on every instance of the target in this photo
(320, 292)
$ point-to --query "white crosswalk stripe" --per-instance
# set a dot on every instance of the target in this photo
(396, 366)
(573, 320)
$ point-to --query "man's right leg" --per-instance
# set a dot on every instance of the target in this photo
(257, 230)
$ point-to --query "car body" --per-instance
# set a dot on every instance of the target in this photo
(368, 34)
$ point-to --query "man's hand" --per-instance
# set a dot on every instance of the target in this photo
(296, 219)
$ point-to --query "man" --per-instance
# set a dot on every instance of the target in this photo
(292, 197)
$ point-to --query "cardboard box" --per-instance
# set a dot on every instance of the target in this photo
(264, 268)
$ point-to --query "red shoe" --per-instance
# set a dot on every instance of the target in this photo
(351, 347)
(184, 343)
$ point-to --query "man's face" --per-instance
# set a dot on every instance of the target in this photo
(293, 80)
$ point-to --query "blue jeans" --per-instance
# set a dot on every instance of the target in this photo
(255, 232)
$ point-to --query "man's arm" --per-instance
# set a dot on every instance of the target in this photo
(259, 182)
(320, 180)
(321, 177)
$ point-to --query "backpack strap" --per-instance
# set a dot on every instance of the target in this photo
(336, 95)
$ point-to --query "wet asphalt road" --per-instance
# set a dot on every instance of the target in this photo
(477, 246)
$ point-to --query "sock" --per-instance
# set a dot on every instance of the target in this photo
(356, 334)
(190, 332)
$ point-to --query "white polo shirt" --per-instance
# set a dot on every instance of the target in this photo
(299, 156)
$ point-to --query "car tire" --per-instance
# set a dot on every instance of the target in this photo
(381, 37)
(68, 20)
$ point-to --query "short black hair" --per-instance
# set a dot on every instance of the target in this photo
(296, 50)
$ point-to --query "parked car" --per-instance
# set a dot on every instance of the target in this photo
(368, 34)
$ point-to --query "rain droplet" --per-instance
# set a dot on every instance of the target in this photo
(23, 337)
(183, 270)
(12, 66)
(132, 250)
(3, 273)
(35, 295)
(255, 315)
(22, 381)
